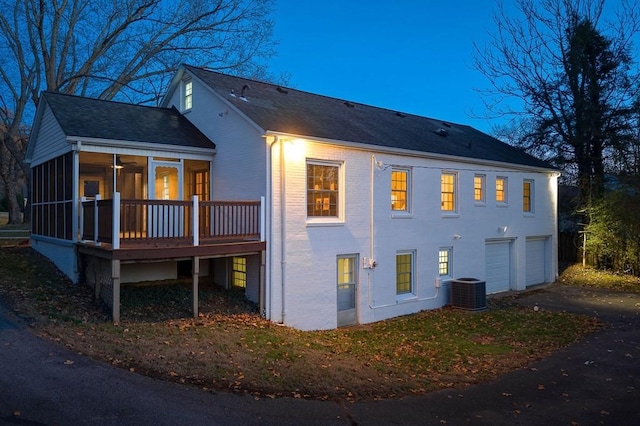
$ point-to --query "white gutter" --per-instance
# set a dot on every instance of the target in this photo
(283, 263)
(417, 154)
(149, 146)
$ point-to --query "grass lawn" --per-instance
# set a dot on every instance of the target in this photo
(230, 347)
(12, 235)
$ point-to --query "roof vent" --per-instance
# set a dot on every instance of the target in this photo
(441, 132)
(282, 90)
(349, 104)
(233, 93)
(244, 89)
(399, 114)
(445, 124)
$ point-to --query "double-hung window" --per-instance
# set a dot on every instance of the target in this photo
(239, 272)
(501, 190)
(444, 262)
(448, 193)
(323, 189)
(527, 196)
(188, 95)
(404, 273)
(479, 189)
(400, 187)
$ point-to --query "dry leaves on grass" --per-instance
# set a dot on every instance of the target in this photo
(230, 347)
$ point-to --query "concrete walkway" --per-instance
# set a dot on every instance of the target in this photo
(596, 381)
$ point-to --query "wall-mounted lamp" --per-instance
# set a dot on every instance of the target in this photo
(457, 236)
(502, 229)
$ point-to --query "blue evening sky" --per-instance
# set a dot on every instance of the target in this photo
(414, 56)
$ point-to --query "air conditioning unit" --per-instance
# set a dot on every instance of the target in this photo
(469, 294)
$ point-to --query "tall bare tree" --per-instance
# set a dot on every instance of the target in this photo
(568, 81)
(119, 49)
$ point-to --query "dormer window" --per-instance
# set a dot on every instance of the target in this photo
(188, 95)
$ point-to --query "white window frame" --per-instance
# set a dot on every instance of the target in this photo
(449, 262)
(327, 220)
(412, 271)
(505, 190)
(532, 197)
(454, 211)
(187, 95)
(483, 189)
(407, 210)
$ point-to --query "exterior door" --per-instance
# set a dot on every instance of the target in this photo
(498, 266)
(536, 261)
(165, 219)
(347, 289)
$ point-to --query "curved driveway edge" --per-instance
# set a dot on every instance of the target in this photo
(596, 381)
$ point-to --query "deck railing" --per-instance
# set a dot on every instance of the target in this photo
(193, 222)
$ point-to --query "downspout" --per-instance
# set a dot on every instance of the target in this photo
(275, 141)
(283, 234)
(371, 228)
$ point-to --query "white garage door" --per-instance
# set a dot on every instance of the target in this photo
(498, 266)
(536, 261)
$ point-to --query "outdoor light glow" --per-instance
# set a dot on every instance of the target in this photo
(295, 150)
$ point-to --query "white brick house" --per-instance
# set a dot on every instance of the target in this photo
(369, 212)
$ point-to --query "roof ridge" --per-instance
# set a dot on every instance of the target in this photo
(343, 100)
(110, 101)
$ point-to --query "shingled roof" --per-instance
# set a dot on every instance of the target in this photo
(95, 118)
(280, 109)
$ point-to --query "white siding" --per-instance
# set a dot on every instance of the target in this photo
(239, 166)
(51, 141)
(61, 253)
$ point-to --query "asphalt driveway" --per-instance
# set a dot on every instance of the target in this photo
(596, 381)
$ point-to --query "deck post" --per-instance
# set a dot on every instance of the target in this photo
(263, 218)
(96, 219)
(196, 223)
(81, 219)
(195, 273)
(115, 236)
(115, 279)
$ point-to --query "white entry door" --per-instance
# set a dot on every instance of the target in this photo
(164, 219)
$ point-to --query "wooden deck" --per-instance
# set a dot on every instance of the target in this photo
(168, 229)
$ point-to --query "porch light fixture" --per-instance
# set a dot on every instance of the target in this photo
(502, 229)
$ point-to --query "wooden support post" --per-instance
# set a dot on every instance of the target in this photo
(196, 273)
(115, 278)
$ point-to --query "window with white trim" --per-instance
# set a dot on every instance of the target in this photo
(444, 261)
(188, 95)
(448, 191)
(501, 190)
(400, 187)
(323, 189)
(527, 196)
(479, 188)
(404, 273)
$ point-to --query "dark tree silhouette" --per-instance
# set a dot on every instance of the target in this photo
(124, 49)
